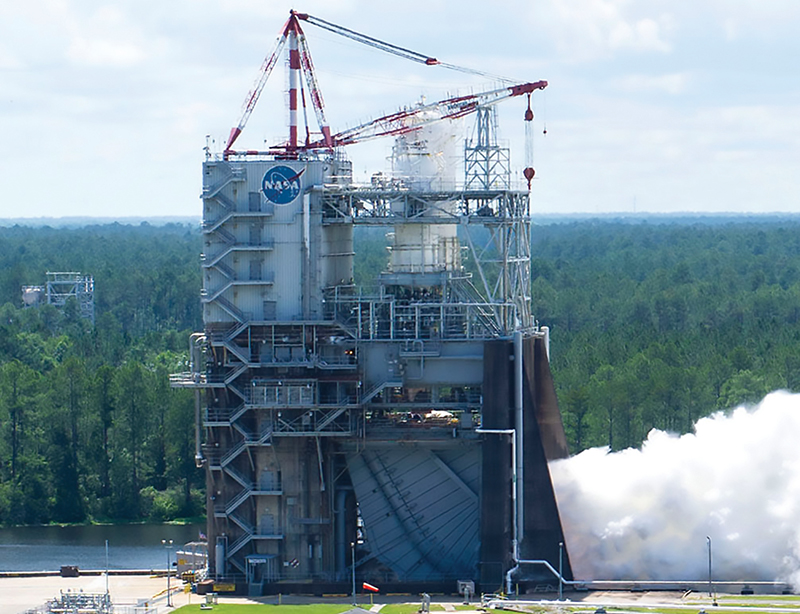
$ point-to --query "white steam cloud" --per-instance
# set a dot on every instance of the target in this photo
(645, 514)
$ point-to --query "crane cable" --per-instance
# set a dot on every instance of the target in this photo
(395, 49)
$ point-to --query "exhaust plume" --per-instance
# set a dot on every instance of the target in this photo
(646, 514)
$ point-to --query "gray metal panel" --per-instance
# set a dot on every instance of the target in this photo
(336, 255)
(382, 363)
(251, 301)
(420, 509)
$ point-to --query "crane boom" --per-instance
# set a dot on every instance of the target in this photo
(409, 120)
(397, 123)
(263, 74)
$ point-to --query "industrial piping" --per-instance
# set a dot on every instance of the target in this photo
(536, 562)
(516, 454)
(196, 341)
(520, 453)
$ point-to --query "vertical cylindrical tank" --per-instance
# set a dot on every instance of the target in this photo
(425, 160)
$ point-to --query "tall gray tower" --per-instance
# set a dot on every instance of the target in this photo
(403, 430)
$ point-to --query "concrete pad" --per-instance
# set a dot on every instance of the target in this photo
(18, 594)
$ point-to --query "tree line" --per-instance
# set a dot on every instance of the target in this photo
(90, 429)
(653, 325)
(658, 325)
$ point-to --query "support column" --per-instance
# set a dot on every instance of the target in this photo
(544, 440)
(496, 509)
(294, 80)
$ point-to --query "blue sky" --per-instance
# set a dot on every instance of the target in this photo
(658, 106)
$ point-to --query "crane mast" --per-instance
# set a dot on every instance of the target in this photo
(394, 124)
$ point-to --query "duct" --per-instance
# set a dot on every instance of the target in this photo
(319, 462)
(536, 562)
(307, 275)
(341, 528)
(199, 461)
(196, 341)
(519, 455)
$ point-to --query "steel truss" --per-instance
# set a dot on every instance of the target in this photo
(495, 225)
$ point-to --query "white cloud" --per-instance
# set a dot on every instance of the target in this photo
(731, 28)
(670, 159)
(9, 60)
(593, 29)
(661, 100)
(670, 84)
(641, 35)
(98, 52)
(746, 18)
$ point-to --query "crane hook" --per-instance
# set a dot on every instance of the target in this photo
(529, 112)
(529, 173)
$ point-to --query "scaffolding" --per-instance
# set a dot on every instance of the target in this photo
(59, 288)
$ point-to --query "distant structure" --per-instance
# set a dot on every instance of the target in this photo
(58, 288)
(400, 433)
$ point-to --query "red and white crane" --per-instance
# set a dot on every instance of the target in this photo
(394, 124)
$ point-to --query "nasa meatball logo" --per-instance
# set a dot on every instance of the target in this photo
(281, 184)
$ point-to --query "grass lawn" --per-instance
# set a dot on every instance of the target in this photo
(757, 601)
(252, 608)
(633, 608)
(324, 608)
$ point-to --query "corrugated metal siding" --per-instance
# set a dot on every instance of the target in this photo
(237, 188)
(420, 509)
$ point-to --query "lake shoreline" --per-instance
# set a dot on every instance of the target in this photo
(110, 523)
(84, 572)
(140, 546)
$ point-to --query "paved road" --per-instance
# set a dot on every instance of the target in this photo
(20, 594)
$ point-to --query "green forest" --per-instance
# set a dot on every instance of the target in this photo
(89, 427)
(654, 323)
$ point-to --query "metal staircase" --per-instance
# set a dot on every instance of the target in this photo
(378, 388)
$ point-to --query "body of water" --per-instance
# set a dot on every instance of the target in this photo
(129, 546)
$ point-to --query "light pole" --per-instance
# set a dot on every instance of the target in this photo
(353, 557)
(560, 573)
(107, 569)
(168, 546)
(710, 584)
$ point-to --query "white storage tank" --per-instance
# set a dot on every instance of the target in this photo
(426, 161)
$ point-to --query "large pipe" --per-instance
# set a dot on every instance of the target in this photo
(520, 452)
(341, 528)
(307, 267)
(536, 562)
(199, 461)
(196, 341)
